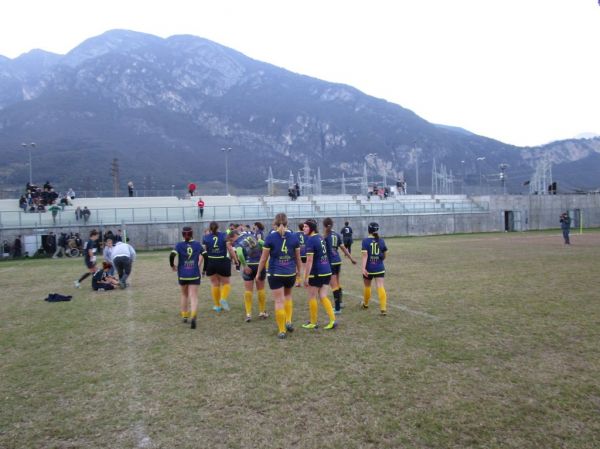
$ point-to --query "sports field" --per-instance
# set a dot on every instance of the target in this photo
(491, 341)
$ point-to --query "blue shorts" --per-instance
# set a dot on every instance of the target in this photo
(252, 276)
(319, 281)
(276, 282)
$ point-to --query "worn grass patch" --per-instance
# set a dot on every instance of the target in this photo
(491, 341)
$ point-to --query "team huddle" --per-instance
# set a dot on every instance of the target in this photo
(284, 259)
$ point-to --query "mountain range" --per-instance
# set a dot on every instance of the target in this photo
(164, 108)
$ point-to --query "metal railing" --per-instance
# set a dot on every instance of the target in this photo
(140, 215)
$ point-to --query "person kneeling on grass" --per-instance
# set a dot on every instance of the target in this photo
(101, 280)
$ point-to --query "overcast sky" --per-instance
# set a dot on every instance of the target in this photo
(524, 72)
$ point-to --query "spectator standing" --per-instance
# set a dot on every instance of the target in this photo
(107, 253)
(61, 246)
(85, 213)
(565, 225)
(54, 210)
(200, 208)
(191, 188)
(71, 193)
(123, 256)
(77, 213)
(130, 188)
(17, 247)
(119, 236)
(5, 249)
(297, 187)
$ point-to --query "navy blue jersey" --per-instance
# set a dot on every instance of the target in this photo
(375, 250)
(98, 279)
(188, 260)
(282, 253)
(332, 242)
(302, 239)
(90, 245)
(215, 245)
(315, 245)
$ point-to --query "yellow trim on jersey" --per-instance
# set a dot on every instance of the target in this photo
(216, 257)
(319, 275)
(189, 279)
(376, 272)
(283, 275)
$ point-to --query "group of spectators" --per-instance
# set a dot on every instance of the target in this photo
(45, 199)
(294, 192)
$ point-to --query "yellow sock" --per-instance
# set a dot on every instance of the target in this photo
(216, 295)
(313, 307)
(366, 295)
(288, 306)
(328, 308)
(280, 318)
(184, 314)
(194, 315)
(248, 302)
(382, 298)
(262, 300)
(225, 290)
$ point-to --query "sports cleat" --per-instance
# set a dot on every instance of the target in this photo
(248, 318)
(310, 325)
(337, 312)
(225, 305)
(263, 315)
(282, 335)
(363, 305)
(185, 320)
(289, 327)
(383, 312)
(217, 308)
(331, 325)
(193, 323)
(77, 284)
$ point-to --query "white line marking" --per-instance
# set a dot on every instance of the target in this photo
(398, 306)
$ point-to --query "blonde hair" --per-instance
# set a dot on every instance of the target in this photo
(280, 223)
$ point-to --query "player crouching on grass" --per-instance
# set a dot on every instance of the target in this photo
(102, 280)
(189, 260)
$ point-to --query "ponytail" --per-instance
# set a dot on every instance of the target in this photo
(280, 223)
(213, 227)
(327, 225)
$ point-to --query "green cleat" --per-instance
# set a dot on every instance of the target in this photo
(310, 325)
(331, 325)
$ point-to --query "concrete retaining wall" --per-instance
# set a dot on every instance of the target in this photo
(530, 213)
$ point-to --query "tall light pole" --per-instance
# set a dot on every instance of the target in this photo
(29, 147)
(503, 167)
(226, 151)
(480, 159)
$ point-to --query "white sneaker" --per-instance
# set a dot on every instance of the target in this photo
(77, 284)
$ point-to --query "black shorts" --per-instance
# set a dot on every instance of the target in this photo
(375, 275)
(189, 281)
(252, 276)
(319, 281)
(335, 269)
(222, 267)
(303, 259)
(104, 287)
(276, 282)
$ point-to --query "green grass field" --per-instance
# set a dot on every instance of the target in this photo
(491, 341)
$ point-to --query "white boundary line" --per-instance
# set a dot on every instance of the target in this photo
(396, 306)
(140, 431)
